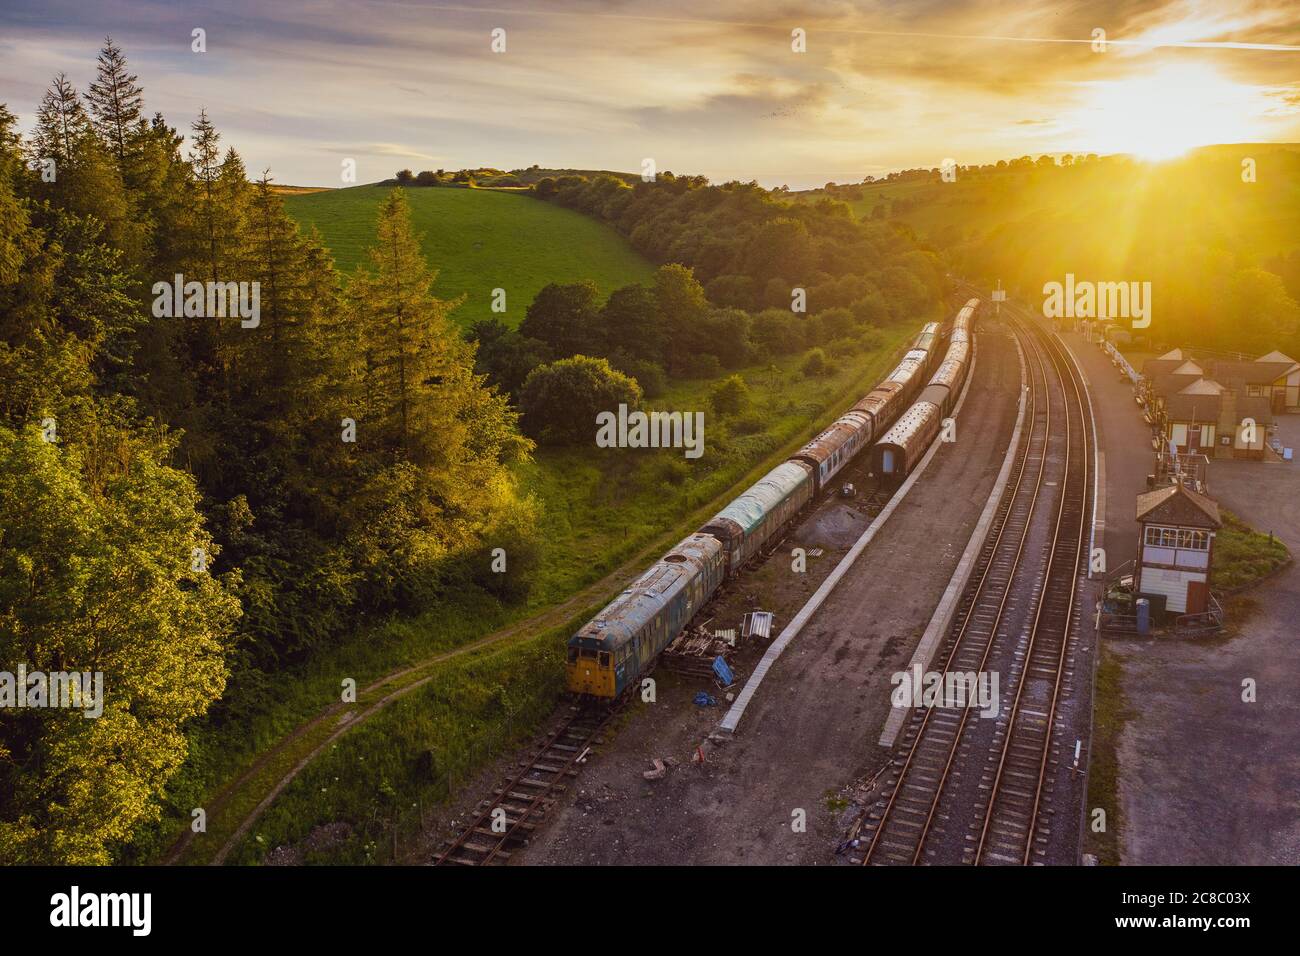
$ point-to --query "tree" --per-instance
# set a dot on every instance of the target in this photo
(505, 356)
(204, 158)
(405, 177)
(814, 363)
(98, 573)
(434, 439)
(778, 331)
(115, 99)
(565, 317)
(61, 122)
(560, 401)
(729, 396)
(727, 332)
(631, 323)
(682, 309)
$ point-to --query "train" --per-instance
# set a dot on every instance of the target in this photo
(609, 654)
(897, 452)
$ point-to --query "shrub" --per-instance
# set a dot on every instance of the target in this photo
(814, 364)
(701, 365)
(560, 401)
(649, 375)
(729, 396)
(778, 331)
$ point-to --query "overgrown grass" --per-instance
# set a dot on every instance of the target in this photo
(1110, 713)
(480, 240)
(379, 778)
(1243, 556)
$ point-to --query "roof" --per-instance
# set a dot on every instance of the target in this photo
(619, 620)
(1276, 356)
(911, 422)
(1202, 386)
(762, 497)
(1252, 373)
(1173, 355)
(1169, 384)
(1179, 505)
(1193, 408)
(1155, 368)
(1209, 408)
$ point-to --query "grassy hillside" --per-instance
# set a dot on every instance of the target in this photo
(480, 240)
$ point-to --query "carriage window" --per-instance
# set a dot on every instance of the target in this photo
(604, 658)
(573, 654)
(588, 652)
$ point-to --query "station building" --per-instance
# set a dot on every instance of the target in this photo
(1224, 409)
(1176, 531)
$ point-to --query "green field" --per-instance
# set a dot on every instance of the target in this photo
(480, 240)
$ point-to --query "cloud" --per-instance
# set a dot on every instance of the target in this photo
(602, 83)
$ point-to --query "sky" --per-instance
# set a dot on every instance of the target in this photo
(702, 88)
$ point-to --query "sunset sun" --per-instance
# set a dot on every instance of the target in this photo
(1163, 114)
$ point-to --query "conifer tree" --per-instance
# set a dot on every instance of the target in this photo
(61, 122)
(205, 158)
(115, 100)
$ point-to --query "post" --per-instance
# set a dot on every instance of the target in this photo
(1143, 615)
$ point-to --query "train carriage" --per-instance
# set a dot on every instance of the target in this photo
(615, 648)
(897, 453)
(910, 373)
(950, 376)
(881, 403)
(746, 524)
(830, 451)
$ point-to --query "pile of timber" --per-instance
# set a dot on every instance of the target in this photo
(693, 651)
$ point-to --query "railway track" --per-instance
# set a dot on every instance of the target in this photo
(506, 819)
(966, 790)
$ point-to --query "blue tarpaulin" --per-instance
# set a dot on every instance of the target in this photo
(723, 672)
(704, 699)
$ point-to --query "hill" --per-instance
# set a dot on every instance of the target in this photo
(1221, 251)
(480, 240)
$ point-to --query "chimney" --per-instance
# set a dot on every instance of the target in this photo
(1228, 420)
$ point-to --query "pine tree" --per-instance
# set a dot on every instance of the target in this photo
(115, 100)
(436, 436)
(61, 122)
(205, 154)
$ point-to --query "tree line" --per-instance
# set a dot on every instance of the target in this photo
(746, 277)
(190, 505)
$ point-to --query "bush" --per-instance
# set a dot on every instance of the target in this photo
(560, 401)
(671, 471)
(778, 331)
(649, 375)
(846, 347)
(871, 338)
(750, 423)
(701, 365)
(871, 310)
(729, 396)
(814, 364)
(835, 323)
